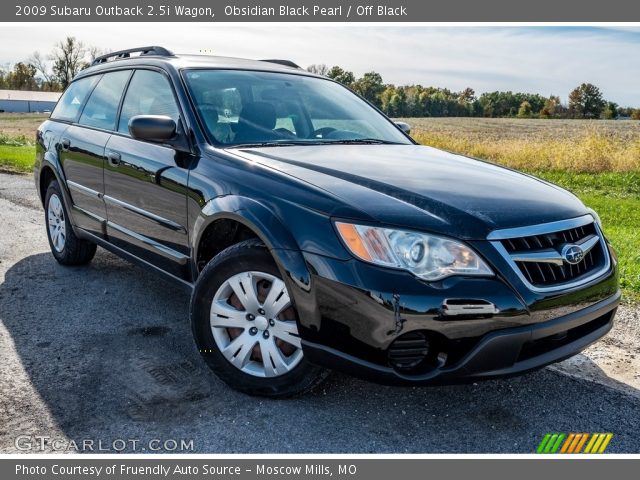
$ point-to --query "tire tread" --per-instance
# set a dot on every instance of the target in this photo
(304, 378)
(77, 251)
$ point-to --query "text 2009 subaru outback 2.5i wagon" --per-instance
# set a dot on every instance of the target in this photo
(313, 231)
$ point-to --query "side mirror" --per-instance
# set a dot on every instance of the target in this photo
(154, 128)
(405, 127)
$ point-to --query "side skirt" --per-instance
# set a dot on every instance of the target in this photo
(187, 286)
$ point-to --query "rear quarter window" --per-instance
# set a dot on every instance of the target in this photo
(69, 105)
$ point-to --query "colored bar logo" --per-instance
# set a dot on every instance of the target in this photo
(574, 443)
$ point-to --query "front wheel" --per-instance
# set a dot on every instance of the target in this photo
(245, 324)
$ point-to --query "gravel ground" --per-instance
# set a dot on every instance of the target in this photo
(104, 352)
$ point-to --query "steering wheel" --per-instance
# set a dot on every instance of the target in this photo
(283, 132)
(322, 132)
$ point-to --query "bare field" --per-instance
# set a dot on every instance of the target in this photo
(18, 125)
(590, 146)
(516, 128)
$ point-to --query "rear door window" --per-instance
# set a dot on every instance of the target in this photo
(68, 107)
(101, 109)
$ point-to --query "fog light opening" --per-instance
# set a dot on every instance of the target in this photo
(418, 352)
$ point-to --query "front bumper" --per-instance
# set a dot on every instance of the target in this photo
(352, 328)
(502, 353)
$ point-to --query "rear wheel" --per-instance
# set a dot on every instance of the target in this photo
(245, 324)
(65, 246)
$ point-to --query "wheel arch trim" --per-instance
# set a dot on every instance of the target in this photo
(266, 225)
(50, 162)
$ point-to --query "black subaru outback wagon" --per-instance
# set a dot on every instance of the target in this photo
(313, 232)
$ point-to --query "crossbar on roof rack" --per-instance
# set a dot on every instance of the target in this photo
(153, 50)
(286, 63)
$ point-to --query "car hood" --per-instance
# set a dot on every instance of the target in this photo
(422, 187)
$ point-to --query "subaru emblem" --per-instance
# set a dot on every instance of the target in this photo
(572, 254)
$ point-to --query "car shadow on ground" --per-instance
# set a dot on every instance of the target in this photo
(107, 350)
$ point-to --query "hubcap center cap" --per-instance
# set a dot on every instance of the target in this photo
(261, 323)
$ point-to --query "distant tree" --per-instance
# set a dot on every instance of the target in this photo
(385, 99)
(468, 95)
(507, 104)
(393, 101)
(44, 70)
(22, 77)
(370, 86)
(625, 111)
(552, 107)
(525, 110)
(344, 77)
(610, 111)
(5, 76)
(486, 107)
(413, 107)
(635, 114)
(586, 101)
(318, 69)
(94, 52)
(69, 57)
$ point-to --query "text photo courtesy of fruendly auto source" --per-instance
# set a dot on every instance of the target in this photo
(317, 239)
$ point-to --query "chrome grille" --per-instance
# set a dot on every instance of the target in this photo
(540, 253)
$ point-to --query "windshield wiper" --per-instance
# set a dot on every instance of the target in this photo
(320, 141)
(361, 141)
(285, 143)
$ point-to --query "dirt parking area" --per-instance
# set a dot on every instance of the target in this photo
(104, 352)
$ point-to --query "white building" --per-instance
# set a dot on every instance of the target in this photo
(27, 101)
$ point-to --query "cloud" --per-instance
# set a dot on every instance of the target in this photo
(534, 59)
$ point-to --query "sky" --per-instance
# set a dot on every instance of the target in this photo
(545, 60)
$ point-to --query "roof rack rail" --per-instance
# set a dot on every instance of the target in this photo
(286, 63)
(153, 50)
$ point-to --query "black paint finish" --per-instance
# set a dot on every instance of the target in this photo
(81, 155)
(157, 204)
(145, 196)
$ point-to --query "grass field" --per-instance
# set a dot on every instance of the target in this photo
(17, 137)
(599, 161)
(16, 158)
(574, 145)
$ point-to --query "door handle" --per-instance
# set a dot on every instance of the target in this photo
(65, 143)
(114, 158)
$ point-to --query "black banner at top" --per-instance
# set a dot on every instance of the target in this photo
(320, 11)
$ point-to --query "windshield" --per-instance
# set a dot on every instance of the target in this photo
(239, 107)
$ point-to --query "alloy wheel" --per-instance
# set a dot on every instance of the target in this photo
(56, 223)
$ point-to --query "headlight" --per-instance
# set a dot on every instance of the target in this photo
(595, 216)
(429, 257)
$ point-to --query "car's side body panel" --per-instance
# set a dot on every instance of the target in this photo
(145, 196)
(81, 155)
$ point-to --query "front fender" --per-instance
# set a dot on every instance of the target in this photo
(266, 225)
(275, 235)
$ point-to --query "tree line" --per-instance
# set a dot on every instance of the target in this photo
(50, 72)
(585, 101)
(55, 70)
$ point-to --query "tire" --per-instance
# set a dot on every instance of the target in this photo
(219, 331)
(65, 246)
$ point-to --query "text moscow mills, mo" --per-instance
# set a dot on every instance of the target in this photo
(207, 13)
(177, 470)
